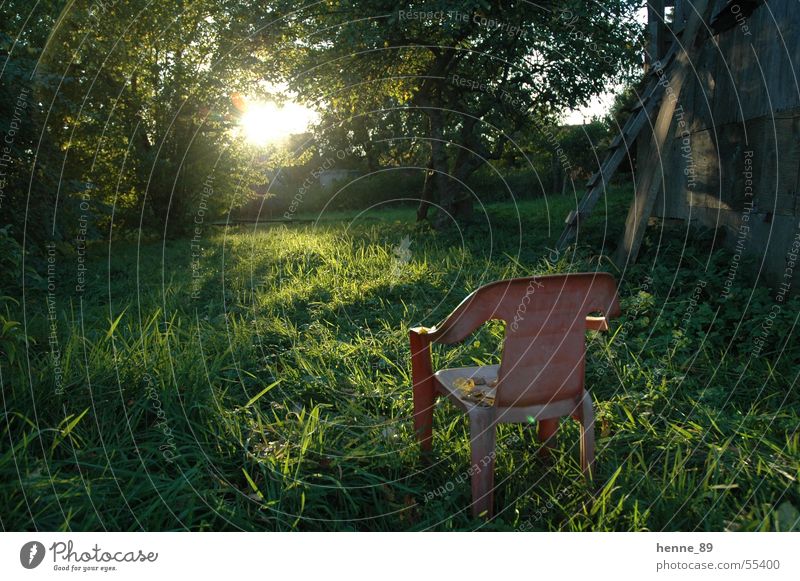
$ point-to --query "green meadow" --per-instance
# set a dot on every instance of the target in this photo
(264, 383)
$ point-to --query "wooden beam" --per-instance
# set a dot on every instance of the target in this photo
(617, 152)
(655, 29)
(652, 174)
(678, 17)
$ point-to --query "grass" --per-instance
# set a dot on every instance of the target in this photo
(278, 398)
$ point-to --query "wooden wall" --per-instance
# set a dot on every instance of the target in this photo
(742, 111)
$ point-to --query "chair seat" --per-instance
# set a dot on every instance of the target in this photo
(483, 377)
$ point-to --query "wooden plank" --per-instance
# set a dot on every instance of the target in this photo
(755, 70)
(705, 152)
(639, 119)
(678, 18)
(617, 140)
(610, 165)
(720, 160)
(655, 28)
(776, 162)
(698, 97)
(776, 45)
(651, 178)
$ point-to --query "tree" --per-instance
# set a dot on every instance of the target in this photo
(468, 76)
(133, 105)
(28, 189)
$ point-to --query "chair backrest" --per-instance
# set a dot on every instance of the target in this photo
(545, 343)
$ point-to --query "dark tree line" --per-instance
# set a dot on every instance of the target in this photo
(128, 109)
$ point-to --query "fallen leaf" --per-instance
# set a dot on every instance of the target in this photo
(464, 384)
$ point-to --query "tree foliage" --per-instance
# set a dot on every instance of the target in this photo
(469, 77)
(130, 110)
(124, 114)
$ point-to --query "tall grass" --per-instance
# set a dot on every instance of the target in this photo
(277, 397)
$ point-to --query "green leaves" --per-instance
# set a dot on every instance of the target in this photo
(258, 396)
(787, 518)
(69, 423)
(468, 74)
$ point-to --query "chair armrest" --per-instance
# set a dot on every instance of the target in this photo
(596, 324)
(592, 324)
(423, 330)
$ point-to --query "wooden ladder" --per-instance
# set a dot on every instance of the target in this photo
(618, 149)
(669, 70)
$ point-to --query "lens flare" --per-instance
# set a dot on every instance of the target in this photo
(265, 122)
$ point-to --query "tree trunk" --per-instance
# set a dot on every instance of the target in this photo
(363, 137)
(455, 202)
(464, 208)
(427, 193)
(466, 164)
(441, 170)
(558, 175)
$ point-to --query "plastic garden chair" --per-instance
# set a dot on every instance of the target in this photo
(541, 373)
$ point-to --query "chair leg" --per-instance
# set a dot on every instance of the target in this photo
(423, 390)
(547, 436)
(587, 434)
(424, 400)
(483, 442)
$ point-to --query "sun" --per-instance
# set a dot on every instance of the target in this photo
(263, 123)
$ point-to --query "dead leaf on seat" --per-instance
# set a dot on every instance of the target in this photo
(464, 384)
(480, 398)
(475, 390)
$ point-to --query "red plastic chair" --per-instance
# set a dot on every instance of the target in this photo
(541, 374)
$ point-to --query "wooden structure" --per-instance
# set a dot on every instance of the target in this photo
(659, 71)
(722, 149)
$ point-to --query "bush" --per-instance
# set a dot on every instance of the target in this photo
(288, 198)
(12, 339)
(528, 184)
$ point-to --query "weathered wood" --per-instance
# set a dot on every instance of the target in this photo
(652, 173)
(698, 97)
(616, 153)
(655, 26)
(758, 73)
(639, 120)
(743, 109)
(775, 159)
(678, 17)
(726, 14)
(617, 141)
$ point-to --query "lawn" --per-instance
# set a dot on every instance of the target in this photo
(265, 384)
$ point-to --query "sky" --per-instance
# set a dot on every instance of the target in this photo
(601, 104)
(597, 108)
